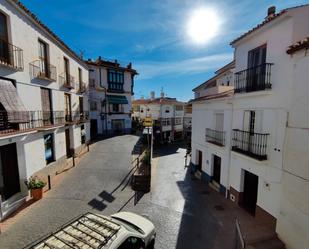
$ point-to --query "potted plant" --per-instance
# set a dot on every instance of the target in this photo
(35, 185)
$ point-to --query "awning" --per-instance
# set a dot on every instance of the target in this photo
(15, 110)
(114, 99)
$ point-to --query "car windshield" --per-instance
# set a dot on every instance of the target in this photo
(129, 224)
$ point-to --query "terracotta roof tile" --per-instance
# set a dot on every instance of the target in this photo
(303, 44)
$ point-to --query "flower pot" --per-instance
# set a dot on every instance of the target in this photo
(37, 193)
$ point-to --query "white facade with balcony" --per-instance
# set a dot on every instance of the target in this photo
(43, 105)
(110, 92)
(266, 123)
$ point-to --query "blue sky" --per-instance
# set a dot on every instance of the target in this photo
(153, 36)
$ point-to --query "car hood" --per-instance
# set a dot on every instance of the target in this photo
(137, 220)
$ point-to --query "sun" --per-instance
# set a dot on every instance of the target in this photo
(203, 25)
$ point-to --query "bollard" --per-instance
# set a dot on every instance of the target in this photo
(49, 182)
(73, 158)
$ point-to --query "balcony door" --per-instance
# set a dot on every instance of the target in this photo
(256, 68)
(67, 107)
(43, 58)
(46, 106)
(4, 46)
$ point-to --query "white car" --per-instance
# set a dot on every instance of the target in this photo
(122, 230)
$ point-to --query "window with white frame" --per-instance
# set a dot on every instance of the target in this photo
(178, 121)
(166, 121)
(179, 108)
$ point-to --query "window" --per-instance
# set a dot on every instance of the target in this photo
(43, 57)
(178, 121)
(66, 70)
(115, 107)
(132, 243)
(179, 108)
(115, 76)
(4, 46)
(80, 78)
(167, 109)
(49, 148)
(93, 106)
(166, 121)
(136, 108)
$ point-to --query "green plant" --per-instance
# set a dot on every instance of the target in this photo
(35, 182)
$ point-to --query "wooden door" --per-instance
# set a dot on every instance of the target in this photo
(216, 168)
(68, 143)
(67, 102)
(200, 160)
(250, 192)
(46, 106)
(9, 167)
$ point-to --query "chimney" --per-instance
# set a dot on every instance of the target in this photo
(271, 11)
(152, 95)
(129, 66)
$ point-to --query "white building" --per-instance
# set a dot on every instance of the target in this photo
(167, 113)
(265, 123)
(110, 93)
(43, 106)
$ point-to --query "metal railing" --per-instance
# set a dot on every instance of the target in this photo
(77, 117)
(215, 137)
(67, 81)
(42, 70)
(250, 143)
(81, 87)
(11, 56)
(253, 79)
(22, 121)
(115, 87)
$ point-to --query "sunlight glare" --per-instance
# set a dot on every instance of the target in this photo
(203, 25)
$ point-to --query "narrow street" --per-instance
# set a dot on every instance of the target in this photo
(186, 214)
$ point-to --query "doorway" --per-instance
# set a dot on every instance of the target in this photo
(216, 169)
(118, 126)
(250, 191)
(93, 129)
(199, 160)
(9, 174)
(68, 110)
(68, 143)
(4, 39)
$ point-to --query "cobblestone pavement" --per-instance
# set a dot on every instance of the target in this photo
(186, 214)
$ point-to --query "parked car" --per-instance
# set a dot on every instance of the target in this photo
(122, 230)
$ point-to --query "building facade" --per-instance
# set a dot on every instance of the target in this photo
(43, 103)
(110, 92)
(167, 115)
(264, 126)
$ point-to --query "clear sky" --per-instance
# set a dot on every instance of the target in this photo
(154, 35)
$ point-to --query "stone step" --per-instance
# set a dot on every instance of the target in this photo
(274, 243)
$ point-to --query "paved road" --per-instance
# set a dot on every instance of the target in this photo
(182, 209)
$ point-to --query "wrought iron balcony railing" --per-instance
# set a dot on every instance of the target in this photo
(253, 79)
(76, 117)
(42, 70)
(67, 81)
(250, 144)
(11, 56)
(81, 87)
(22, 121)
(215, 137)
(115, 87)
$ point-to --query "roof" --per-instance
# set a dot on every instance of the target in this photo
(87, 231)
(111, 64)
(34, 18)
(303, 44)
(209, 81)
(228, 66)
(165, 100)
(266, 21)
(228, 93)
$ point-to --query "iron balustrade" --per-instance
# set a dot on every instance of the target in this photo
(66, 81)
(250, 143)
(11, 56)
(253, 79)
(115, 87)
(42, 70)
(23, 121)
(215, 137)
(77, 117)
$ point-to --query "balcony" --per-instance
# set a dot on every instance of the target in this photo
(42, 70)
(253, 79)
(215, 137)
(251, 144)
(115, 87)
(81, 87)
(14, 122)
(66, 80)
(11, 56)
(76, 117)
